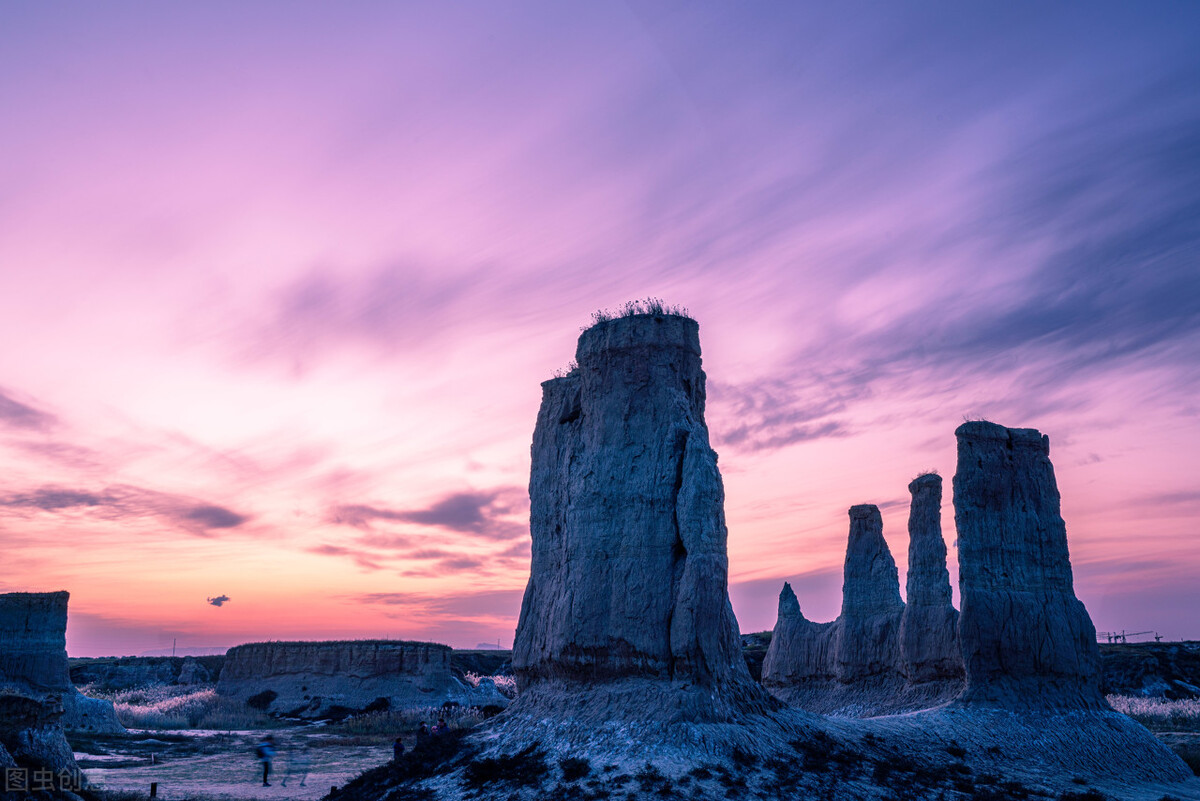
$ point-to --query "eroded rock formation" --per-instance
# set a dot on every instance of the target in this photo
(36, 696)
(1027, 641)
(798, 665)
(629, 572)
(851, 666)
(319, 679)
(126, 672)
(930, 657)
(33, 629)
(866, 645)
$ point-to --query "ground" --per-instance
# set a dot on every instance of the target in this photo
(221, 765)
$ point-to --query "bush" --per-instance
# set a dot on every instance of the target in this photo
(574, 768)
(525, 768)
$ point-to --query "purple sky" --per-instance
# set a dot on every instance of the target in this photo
(279, 282)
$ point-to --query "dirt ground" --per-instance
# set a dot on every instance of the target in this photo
(222, 765)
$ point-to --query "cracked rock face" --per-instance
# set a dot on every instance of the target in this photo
(1027, 641)
(928, 630)
(629, 571)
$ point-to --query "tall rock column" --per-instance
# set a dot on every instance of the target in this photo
(928, 630)
(1027, 641)
(629, 570)
(866, 643)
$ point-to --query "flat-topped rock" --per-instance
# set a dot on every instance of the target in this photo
(1027, 641)
(33, 659)
(629, 572)
(319, 679)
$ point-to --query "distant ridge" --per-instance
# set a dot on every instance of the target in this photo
(201, 650)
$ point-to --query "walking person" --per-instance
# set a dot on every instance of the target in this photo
(266, 754)
(397, 750)
(299, 761)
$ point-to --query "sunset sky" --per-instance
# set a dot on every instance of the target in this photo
(279, 282)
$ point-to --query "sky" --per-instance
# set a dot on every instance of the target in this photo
(279, 282)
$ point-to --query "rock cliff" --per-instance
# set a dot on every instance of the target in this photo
(322, 679)
(629, 572)
(930, 657)
(33, 659)
(1027, 641)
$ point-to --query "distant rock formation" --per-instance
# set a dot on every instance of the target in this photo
(126, 672)
(930, 657)
(628, 584)
(1027, 641)
(328, 679)
(33, 629)
(798, 665)
(851, 666)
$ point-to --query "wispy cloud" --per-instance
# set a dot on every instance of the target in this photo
(15, 414)
(121, 501)
(478, 513)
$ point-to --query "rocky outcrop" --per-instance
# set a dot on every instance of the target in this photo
(126, 672)
(798, 663)
(1027, 641)
(866, 643)
(36, 695)
(33, 659)
(851, 666)
(628, 584)
(323, 679)
(929, 654)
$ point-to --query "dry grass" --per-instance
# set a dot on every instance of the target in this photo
(507, 685)
(175, 707)
(1159, 714)
(405, 721)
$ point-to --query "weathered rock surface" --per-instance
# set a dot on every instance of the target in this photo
(851, 666)
(1027, 641)
(34, 687)
(798, 662)
(866, 643)
(319, 679)
(33, 659)
(930, 657)
(629, 572)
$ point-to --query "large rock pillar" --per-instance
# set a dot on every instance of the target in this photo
(629, 570)
(1026, 640)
